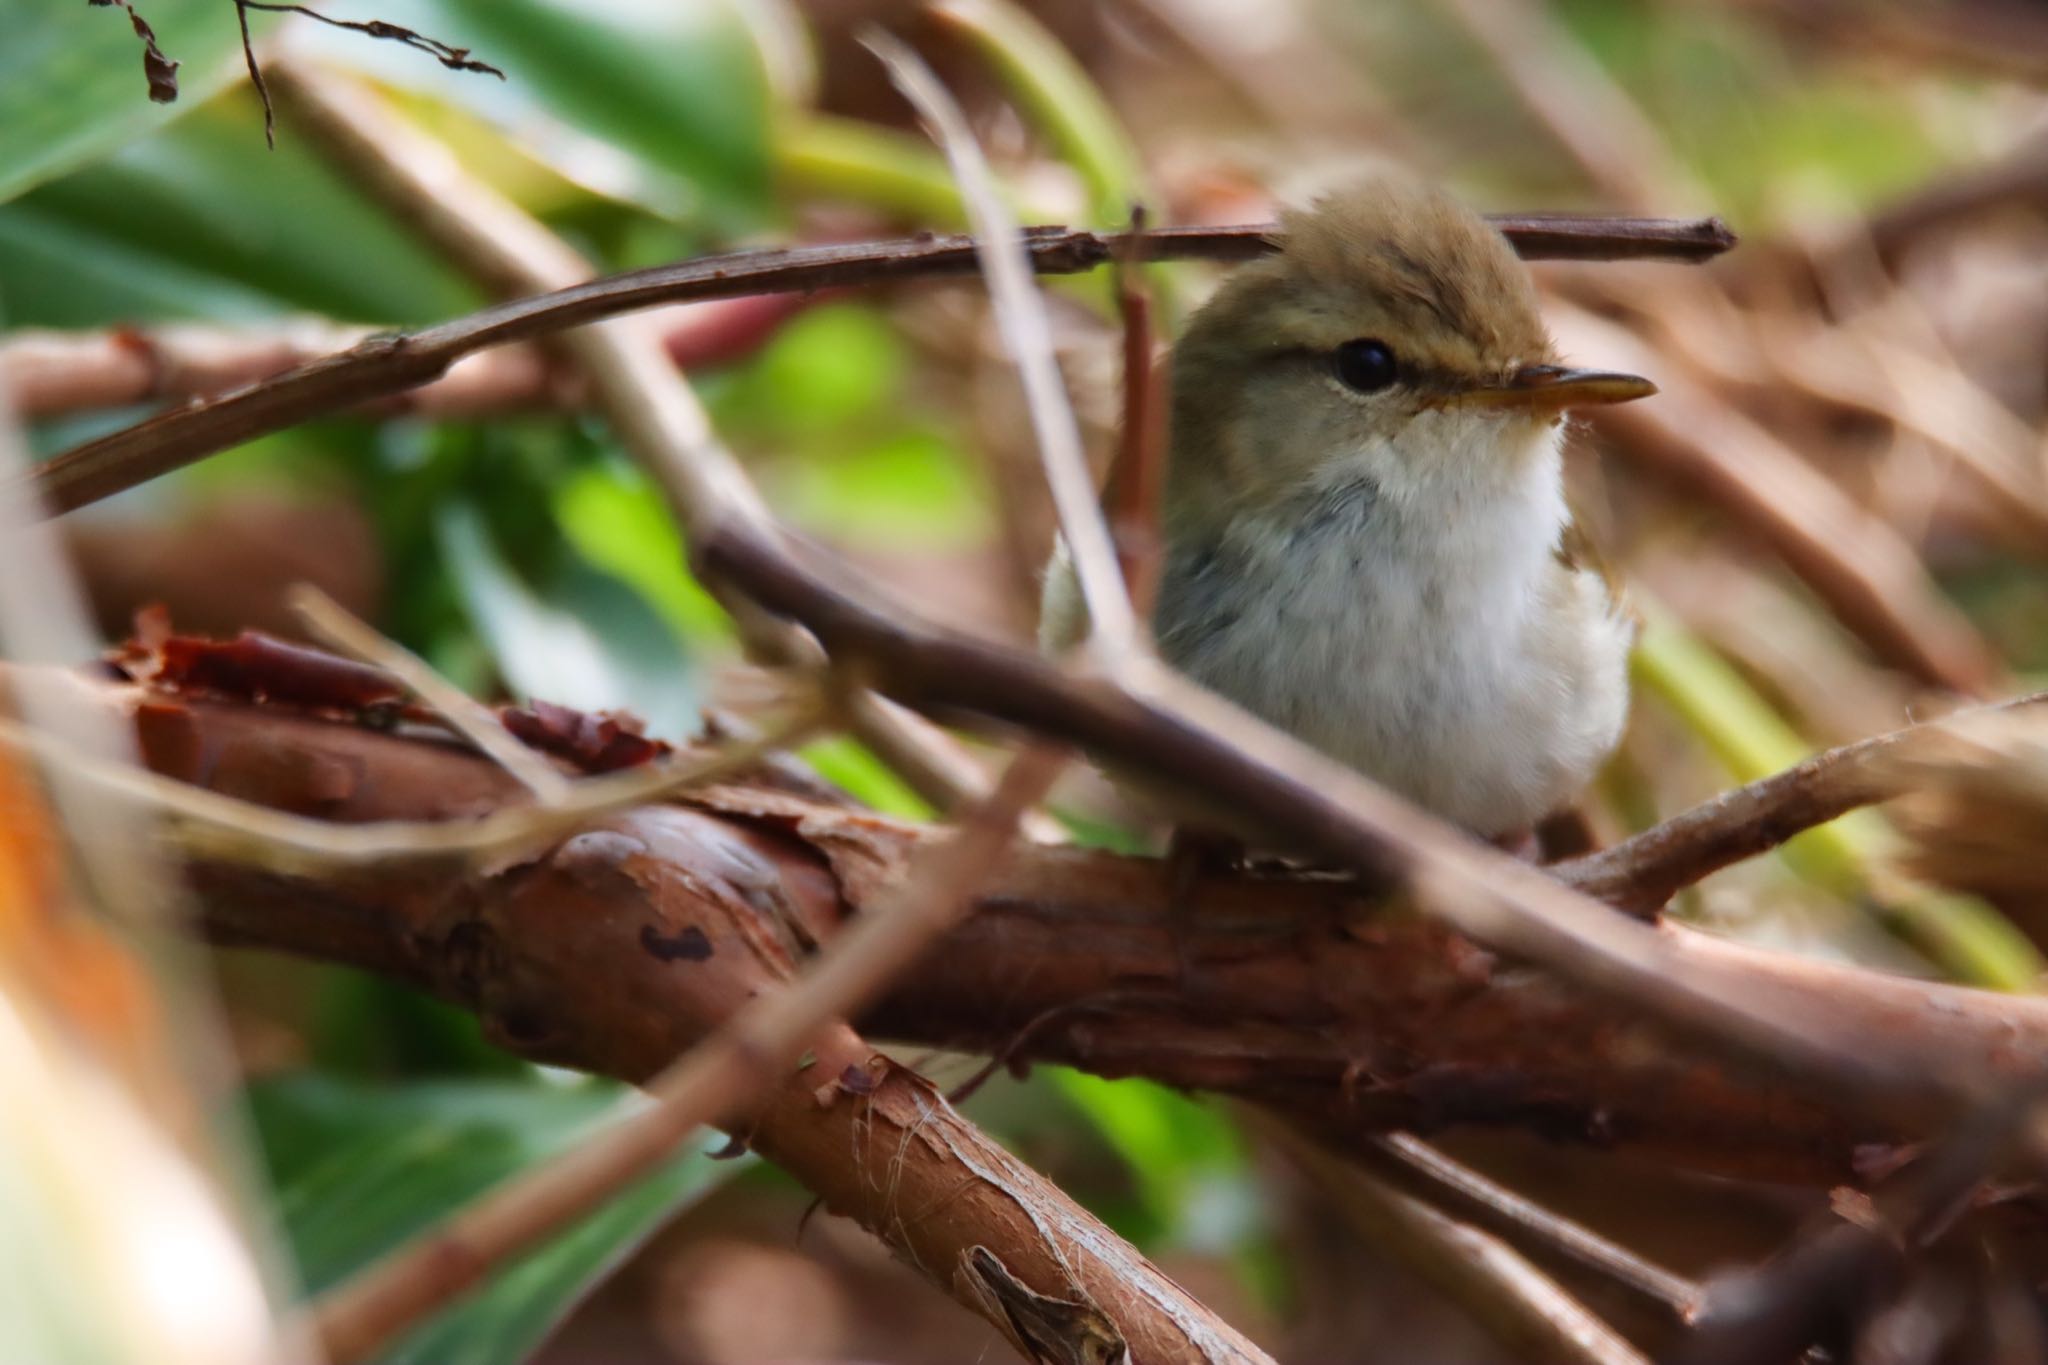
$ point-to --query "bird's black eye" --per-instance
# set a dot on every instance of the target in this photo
(1365, 364)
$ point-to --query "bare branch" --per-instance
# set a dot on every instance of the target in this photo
(1524, 1310)
(1137, 475)
(1407, 1161)
(1641, 873)
(1307, 984)
(1296, 798)
(454, 58)
(1021, 319)
(393, 362)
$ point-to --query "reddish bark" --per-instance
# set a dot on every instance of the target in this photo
(1299, 993)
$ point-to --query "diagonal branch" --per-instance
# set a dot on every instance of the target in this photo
(1021, 320)
(1642, 873)
(1524, 1310)
(1298, 799)
(719, 1078)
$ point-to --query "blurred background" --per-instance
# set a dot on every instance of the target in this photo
(1835, 516)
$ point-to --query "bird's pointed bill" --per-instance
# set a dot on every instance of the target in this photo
(1553, 388)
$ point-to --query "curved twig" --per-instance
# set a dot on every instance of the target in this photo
(1642, 873)
(393, 362)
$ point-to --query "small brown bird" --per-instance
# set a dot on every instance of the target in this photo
(1365, 536)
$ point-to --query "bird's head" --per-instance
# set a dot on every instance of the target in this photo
(1393, 337)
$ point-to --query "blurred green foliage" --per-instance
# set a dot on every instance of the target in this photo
(199, 222)
(529, 554)
(72, 85)
(660, 103)
(360, 1168)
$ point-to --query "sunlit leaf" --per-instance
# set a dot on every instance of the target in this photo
(201, 221)
(1185, 1158)
(360, 1168)
(850, 766)
(72, 85)
(617, 520)
(583, 639)
(822, 370)
(661, 102)
(908, 489)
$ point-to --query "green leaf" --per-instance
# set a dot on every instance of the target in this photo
(853, 768)
(582, 638)
(824, 156)
(663, 103)
(360, 1168)
(200, 221)
(1185, 1158)
(828, 396)
(617, 520)
(72, 85)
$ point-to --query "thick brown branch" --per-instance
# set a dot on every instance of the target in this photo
(1302, 995)
(620, 948)
(384, 365)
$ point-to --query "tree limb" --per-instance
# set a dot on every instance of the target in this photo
(392, 362)
(1306, 994)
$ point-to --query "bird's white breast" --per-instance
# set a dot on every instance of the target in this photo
(1409, 614)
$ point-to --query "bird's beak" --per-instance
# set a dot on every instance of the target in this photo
(1553, 388)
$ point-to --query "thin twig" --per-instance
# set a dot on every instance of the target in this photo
(208, 824)
(337, 626)
(256, 81)
(1525, 1311)
(454, 58)
(1470, 1196)
(1021, 320)
(1641, 873)
(393, 362)
(710, 1082)
(1137, 476)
